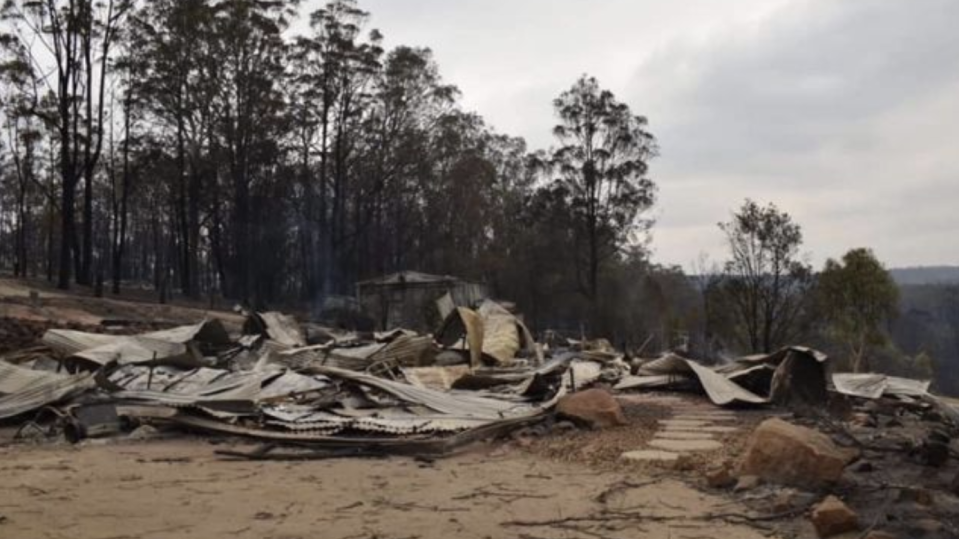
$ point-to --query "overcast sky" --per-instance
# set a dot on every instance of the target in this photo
(845, 114)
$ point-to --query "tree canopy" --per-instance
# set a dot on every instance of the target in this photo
(601, 165)
(766, 282)
(858, 298)
(204, 149)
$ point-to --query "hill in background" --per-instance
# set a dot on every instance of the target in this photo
(926, 275)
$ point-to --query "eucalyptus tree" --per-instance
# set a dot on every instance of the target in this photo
(341, 66)
(19, 98)
(766, 280)
(248, 66)
(602, 162)
(170, 51)
(68, 47)
(858, 298)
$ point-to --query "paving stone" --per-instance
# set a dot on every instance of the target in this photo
(709, 429)
(704, 417)
(684, 435)
(649, 455)
(686, 445)
(682, 423)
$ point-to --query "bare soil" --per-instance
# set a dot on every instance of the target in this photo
(80, 308)
(180, 488)
(24, 320)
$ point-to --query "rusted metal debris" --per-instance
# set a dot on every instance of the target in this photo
(481, 374)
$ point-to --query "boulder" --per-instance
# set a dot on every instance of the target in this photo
(720, 477)
(880, 535)
(594, 407)
(746, 482)
(832, 517)
(787, 454)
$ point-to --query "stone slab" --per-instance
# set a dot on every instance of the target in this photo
(683, 435)
(682, 423)
(704, 417)
(709, 429)
(682, 446)
(648, 455)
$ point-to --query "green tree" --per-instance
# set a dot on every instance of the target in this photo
(602, 162)
(857, 297)
(765, 280)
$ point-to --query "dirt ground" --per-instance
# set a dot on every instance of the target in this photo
(180, 488)
(79, 307)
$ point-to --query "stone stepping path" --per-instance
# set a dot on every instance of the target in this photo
(683, 435)
(651, 455)
(706, 417)
(692, 428)
(685, 446)
(683, 423)
(709, 430)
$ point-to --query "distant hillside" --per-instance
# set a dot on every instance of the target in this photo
(926, 275)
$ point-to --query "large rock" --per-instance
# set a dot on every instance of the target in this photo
(746, 482)
(787, 454)
(720, 477)
(832, 517)
(595, 407)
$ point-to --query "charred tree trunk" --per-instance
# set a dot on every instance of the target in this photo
(119, 244)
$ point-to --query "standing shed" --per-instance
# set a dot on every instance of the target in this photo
(408, 299)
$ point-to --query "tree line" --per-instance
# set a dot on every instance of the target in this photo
(203, 149)
(198, 146)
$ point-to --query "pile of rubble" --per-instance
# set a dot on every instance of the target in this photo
(281, 381)
(876, 443)
(876, 465)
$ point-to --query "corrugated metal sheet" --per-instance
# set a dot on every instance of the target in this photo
(14, 379)
(44, 393)
(208, 331)
(459, 404)
(720, 390)
(501, 339)
(283, 329)
(406, 350)
(873, 386)
(69, 342)
(132, 350)
(435, 377)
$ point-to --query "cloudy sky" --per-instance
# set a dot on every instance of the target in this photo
(845, 114)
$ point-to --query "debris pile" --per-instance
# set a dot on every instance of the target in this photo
(793, 375)
(280, 381)
(863, 452)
